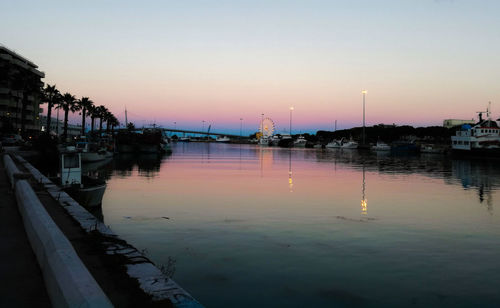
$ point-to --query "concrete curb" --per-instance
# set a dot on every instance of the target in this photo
(10, 169)
(68, 282)
(151, 280)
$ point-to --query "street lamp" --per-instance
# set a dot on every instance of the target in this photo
(364, 94)
(175, 125)
(291, 109)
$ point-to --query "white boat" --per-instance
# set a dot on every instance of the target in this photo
(351, 144)
(381, 146)
(85, 190)
(224, 139)
(334, 144)
(300, 142)
(482, 139)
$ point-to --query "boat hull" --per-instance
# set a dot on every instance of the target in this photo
(88, 197)
(95, 156)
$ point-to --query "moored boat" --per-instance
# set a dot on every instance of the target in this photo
(223, 139)
(481, 139)
(85, 190)
(300, 142)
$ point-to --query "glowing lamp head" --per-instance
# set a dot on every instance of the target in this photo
(364, 92)
(291, 108)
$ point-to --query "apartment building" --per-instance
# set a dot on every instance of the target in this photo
(20, 93)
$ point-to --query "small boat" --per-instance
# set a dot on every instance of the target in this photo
(87, 191)
(381, 146)
(223, 139)
(92, 152)
(351, 144)
(300, 142)
(334, 144)
(431, 149)
(184, 139)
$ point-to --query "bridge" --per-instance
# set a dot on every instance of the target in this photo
(207, 133)
(185, 131)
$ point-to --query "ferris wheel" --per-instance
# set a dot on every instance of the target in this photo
(267, 127)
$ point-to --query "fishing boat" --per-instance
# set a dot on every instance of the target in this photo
(300, 142)
(481, 139)
(87, 191)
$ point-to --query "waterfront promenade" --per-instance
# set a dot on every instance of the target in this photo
(22, 280)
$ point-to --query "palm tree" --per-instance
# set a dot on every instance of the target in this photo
(84, 104)
(101, 114)
(52, 97)
(113, 121)
(108, 116)
(92, 111)
(68, 104)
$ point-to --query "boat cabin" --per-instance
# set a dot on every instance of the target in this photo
(71, 169)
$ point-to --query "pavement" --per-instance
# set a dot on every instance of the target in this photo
(22, 281)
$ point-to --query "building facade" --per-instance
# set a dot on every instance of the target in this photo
(57, 127)
(20, 93)
(449, 123)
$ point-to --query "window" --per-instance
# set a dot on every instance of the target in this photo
(71, 161)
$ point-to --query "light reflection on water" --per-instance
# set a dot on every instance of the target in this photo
(270, 227)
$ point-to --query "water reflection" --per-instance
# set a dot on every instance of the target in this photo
(233, 225)
(364, 202)
(290, 180)
(480, 175)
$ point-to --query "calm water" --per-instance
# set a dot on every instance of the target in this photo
(245, 226)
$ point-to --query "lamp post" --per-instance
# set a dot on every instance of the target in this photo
(364, 94)
(291, 109)
(175, 125)
(241, 126)
(203, 126)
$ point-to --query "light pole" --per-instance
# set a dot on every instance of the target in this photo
(364, 94)
(241, 126)
(175, 125)
(291, 109)
(203, 126)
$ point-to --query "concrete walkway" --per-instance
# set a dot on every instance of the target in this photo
(22, 281)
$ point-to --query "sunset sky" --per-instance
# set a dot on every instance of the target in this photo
(421, 61)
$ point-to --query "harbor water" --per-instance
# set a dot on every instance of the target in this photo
(250, 226)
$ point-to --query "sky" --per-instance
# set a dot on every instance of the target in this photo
(421, 61)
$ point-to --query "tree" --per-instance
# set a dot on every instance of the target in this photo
(92, 111)
(101, 114)
(113, 121)
(84, 104)
(68, 104)
(52, 97)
